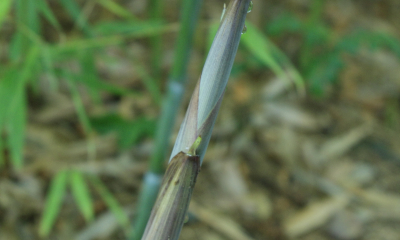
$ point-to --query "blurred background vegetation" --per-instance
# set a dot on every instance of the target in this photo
(306, 145)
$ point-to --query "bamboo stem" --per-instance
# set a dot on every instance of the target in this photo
(206, 99)
(177, 79)
(168, 214)
(156, 11)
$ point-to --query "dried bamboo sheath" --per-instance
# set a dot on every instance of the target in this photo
(166, 219)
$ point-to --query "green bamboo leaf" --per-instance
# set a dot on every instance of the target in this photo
(1, 151)
(156, 44)
(101, 85)
(16, 128)
(149, 83)
(286, 23)
(8, 87)
(80, 109)
(5, 6)
(48, 66)
(261, 48)
(31, 66)
(82, 195)
(74, 10)
(3, 111)
(89, 74)
(111, 202)
(107, 28)
(83, 44)
(48, 14)
(16, 117)
(116, 9)
(53, 202)
(129, 132)
(264, 50)
(13, 111)
(26, 17)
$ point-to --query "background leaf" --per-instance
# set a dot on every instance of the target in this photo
(27, 22)
(48, 14)
(129, 132)
(16, 128)
(74, 10)
(116, 9)
(82, 195)
(111, 202)
(264, 50)
(53, 203)
(5, 6)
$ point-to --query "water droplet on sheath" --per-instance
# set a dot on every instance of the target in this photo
(244, 29)
(250, 7)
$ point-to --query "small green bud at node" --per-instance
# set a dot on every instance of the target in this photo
(195, 145)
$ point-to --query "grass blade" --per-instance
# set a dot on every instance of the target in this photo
(83, 118)
(48, 14)
(100, 85)
(8, 87)
(82, 195)
(74, 11)
(1, 151)
(116, 9)
(264, 50)
(53, 203)
(76, 98)
(83, 44)
(111, 202)
(48, 67)
(13, 116)
(16, 126)
(108, 28)
(156, 11)
(129, 131)
(5, 6)
(28, 18)
(150, 84)
(89, 73)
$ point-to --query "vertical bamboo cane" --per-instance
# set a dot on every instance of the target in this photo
(152, 180)
(167, 216)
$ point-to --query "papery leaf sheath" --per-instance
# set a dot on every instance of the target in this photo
(207, 96)
(168, 214)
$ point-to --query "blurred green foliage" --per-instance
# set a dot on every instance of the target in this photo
(129, 131)
(320, 58)
(31, 57)
(82, 196)
(260, 47)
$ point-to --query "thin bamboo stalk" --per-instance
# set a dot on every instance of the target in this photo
(156, 11)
